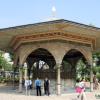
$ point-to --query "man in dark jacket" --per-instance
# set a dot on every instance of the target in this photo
(46, 86)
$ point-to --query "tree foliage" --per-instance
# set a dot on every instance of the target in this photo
(4, 64)
(96, 68)
(82, 71)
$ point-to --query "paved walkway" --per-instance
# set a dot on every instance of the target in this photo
(8, 93)
(5, 96)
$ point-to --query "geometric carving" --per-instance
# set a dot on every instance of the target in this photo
(18, 40)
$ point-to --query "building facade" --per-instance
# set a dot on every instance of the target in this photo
(46, 47)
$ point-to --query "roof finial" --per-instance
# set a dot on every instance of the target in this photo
(53, 12)
(53, 17)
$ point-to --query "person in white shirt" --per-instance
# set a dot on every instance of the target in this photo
(28, 86)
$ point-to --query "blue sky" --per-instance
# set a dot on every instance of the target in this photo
(20, 12)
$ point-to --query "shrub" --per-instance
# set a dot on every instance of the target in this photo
(98, 76)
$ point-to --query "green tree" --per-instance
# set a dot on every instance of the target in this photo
(4, 64)
(82, 71)
(96, 68)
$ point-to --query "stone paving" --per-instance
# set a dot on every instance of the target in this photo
(6, 96)
(8, 93)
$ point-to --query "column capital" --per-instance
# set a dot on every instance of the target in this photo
(58, 66)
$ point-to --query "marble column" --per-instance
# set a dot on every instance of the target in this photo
(20, 79)
(58, 80)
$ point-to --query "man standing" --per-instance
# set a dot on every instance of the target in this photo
(27, 85)
(46, 86)
(30, 86)
(38, 86)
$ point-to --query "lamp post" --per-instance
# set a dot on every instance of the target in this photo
(94, 64)
(26, 86)
(14, 77)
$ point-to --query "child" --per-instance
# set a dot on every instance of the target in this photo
(80, 88)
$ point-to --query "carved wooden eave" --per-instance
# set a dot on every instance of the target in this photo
(56, 35)
(11, 38)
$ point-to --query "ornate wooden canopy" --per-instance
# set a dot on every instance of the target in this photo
(18, 40)
(12, 38)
